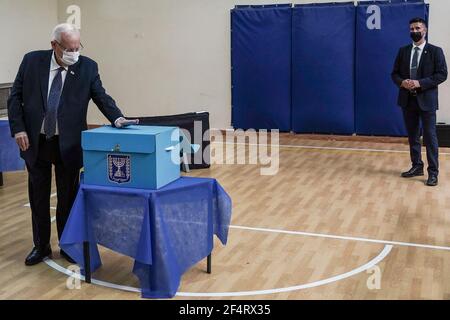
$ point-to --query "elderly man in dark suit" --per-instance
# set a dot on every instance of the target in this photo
(419, 69)
(47, 112)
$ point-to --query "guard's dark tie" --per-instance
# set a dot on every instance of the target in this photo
(52, 105)
(415, 63)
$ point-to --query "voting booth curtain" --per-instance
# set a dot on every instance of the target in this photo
(319, 68)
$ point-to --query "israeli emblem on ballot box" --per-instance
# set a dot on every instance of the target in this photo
(143, 157)
(119, 168)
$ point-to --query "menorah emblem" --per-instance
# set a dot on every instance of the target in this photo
(119, 163)
(119, 168)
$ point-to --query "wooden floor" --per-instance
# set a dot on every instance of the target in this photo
(344, 209)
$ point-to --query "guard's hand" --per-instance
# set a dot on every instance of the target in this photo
(122, 122)
(409, 84)
(415, 84)
(22, 140)
(406, 84)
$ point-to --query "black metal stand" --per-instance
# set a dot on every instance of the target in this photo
(87, 262)
(185, 163)
(208, 264)
(1, 179)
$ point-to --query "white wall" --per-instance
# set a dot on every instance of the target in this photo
(440, 35)
(161, 56)
(25, 25)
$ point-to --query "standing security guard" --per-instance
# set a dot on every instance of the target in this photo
(419, 69)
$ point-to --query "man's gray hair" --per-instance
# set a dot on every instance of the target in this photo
(64, 28)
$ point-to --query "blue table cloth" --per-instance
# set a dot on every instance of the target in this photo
(166, 231)
(9, 151)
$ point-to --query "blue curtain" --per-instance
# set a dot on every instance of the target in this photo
(319, 68)
(323, 68)
(261, 67)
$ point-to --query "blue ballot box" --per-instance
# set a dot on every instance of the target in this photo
(134, 157)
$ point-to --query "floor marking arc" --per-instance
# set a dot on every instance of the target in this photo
(383, 254)
(321, 235)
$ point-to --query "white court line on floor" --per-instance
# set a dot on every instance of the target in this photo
(388, 245)
(61, 269)
(383, 254)
(387, 249)
(323, 148)
(328, 236)
(380, 257)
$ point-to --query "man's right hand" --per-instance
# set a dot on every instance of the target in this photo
(406, 84)
(22, 140)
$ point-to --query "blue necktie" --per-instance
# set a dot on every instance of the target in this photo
(415, 63)
(52, 105)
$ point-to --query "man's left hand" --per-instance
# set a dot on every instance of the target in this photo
(415, 84)
(122, 122)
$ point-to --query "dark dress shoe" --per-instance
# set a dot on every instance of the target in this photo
(432, 181)
(66, 256)
(413, 172)
(37, 255)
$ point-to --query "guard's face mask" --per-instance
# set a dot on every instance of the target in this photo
(416, 36)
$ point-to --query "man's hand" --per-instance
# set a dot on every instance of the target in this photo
(415, 84)
(409, 84)
(122, 122)
(22, 140)
(406, 84)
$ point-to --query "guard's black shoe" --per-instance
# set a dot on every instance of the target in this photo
(413, 172)
(37, 255)
(432, 181)
(66, 256)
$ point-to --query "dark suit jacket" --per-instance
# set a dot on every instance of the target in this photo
(28, 101)
(432, 71)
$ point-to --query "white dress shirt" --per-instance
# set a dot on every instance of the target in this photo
(421, 47)
(54, 66)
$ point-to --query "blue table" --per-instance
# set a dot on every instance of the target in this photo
(166, 231)
(9, 152)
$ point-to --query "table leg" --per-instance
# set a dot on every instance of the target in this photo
(1, 179)
(87, 262)
(208, 264)
(185, 163)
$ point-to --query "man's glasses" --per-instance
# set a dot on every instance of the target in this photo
(70, 50)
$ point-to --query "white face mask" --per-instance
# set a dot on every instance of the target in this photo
(70, 58)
